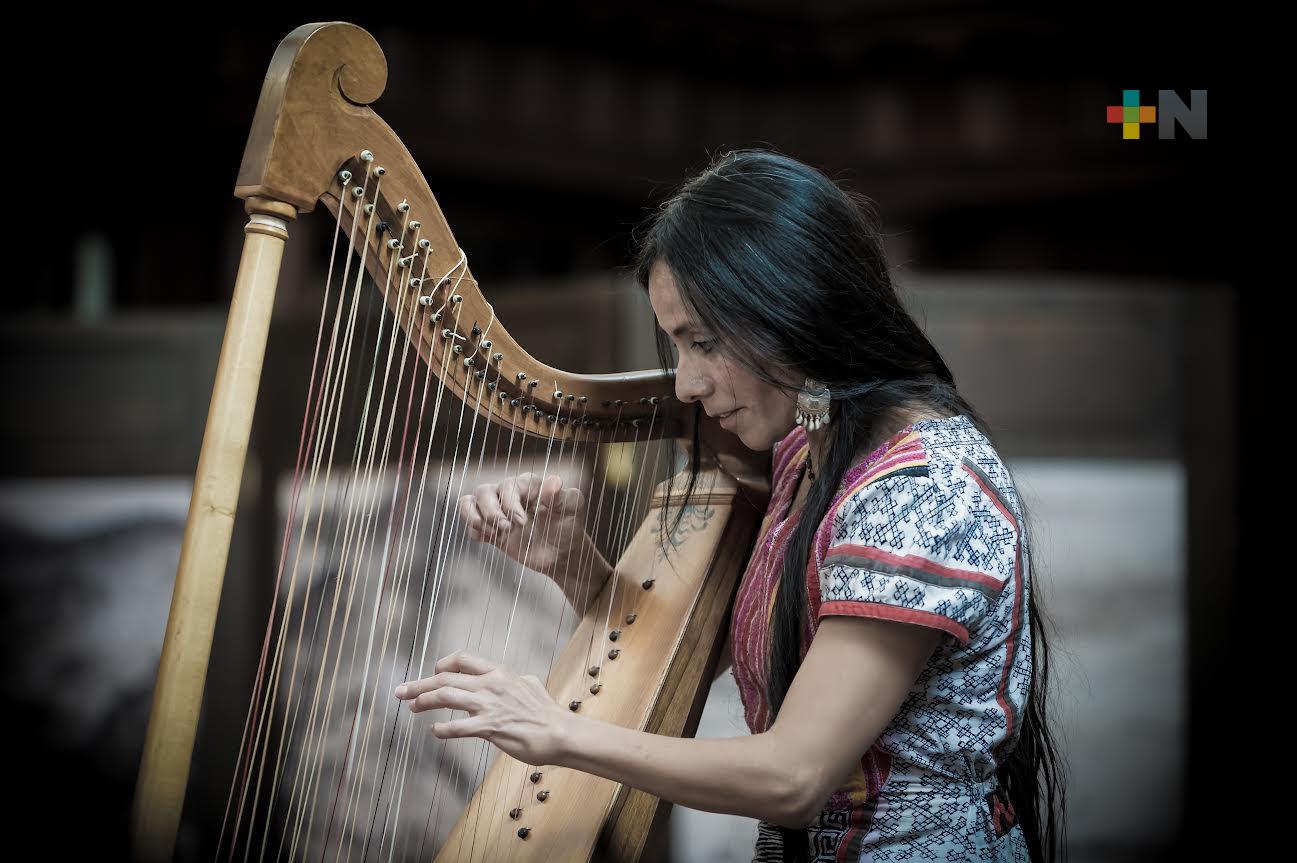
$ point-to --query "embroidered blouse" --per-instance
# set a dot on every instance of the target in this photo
(924, 531)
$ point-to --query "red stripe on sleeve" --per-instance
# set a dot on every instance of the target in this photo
(883, 611)
(913, 561)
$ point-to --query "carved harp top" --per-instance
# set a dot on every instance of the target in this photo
(659, 619)
(313, 121)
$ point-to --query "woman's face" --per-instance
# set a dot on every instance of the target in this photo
(758, 413)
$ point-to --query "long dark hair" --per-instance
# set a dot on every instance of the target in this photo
(787, 269)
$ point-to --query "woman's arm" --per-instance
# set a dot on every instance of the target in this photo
(581, 575)
(854, 679)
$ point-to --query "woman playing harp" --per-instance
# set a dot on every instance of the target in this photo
(768, 281)
(885, 635)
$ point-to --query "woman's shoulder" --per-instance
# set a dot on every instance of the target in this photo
(947, 450)
(918, 478)
(966, 464)
(938, 488)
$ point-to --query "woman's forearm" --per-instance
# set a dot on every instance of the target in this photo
(748, 776)
(581, 575)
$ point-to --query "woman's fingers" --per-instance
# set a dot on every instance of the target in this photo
(487, 501)
(492, 510)
(463, 661)
(413, 689)
(548, 489)
(449, 697)
(469, 515)
(569, 502)
(529, 486)
(468, 726)
(457, 685)
(460, 670)
(515, 713)
(511, 500)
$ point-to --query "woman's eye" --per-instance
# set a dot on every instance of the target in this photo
(705, 346)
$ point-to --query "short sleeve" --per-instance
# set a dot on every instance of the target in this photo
(898, 550)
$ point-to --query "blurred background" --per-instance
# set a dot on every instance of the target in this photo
(1083, 288)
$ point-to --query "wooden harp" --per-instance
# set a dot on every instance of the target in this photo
(314, 140)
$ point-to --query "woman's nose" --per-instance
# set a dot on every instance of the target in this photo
(690, 385)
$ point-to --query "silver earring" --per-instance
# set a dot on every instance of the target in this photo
(813, 405)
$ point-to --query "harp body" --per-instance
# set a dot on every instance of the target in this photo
(671, 598)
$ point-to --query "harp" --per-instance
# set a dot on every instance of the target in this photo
(314, 140)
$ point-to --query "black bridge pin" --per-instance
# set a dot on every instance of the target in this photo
(542, 796)
(523, 832)
(535, 777)
(515, 813)
(574, 705)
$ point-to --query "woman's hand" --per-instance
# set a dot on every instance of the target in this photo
(502, 514)
(515, 713)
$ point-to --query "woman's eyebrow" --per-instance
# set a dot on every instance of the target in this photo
(681, 330)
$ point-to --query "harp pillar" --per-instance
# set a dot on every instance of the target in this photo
(182, 670)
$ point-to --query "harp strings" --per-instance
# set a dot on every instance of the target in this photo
(437, 527)
(369, 530)
(550, 523)
(289, 747)
(459, 536)
(326, 393)
(508, 635)
(443, 557)
(348, 556)
(436, 569)
(393, 535)
(497, 566)
(625, 525)
(403, 566)
(314, 743)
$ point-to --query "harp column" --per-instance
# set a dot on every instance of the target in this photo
(182, 670)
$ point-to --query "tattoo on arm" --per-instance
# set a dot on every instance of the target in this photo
(694, 520)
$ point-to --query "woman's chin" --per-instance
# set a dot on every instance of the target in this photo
(744, 437)
(754, 440)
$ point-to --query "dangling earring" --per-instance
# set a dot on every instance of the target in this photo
(813, 405)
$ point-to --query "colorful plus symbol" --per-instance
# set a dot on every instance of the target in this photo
(1130, 114)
